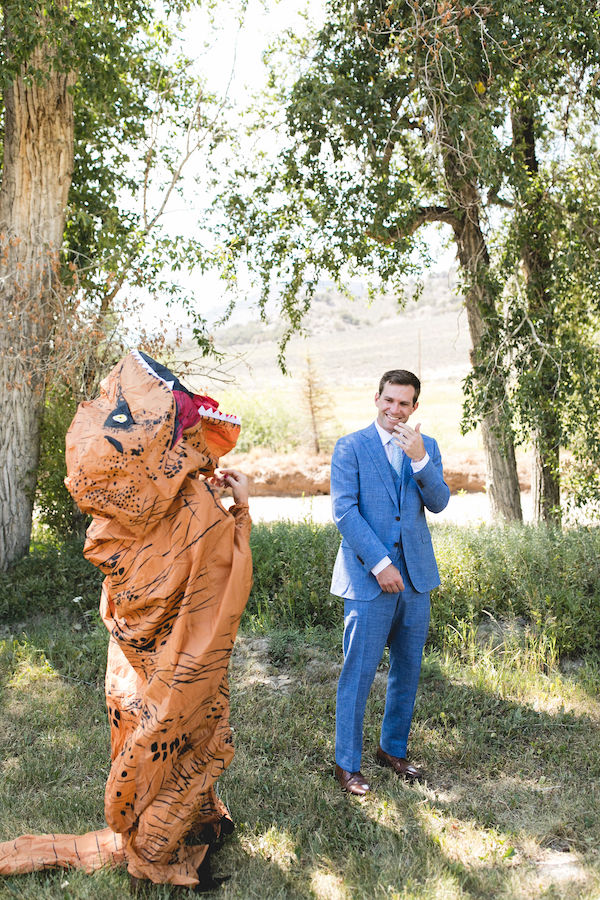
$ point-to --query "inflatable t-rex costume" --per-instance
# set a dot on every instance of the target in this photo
(178, 574)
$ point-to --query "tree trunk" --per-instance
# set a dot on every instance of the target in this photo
(536, 266)
(546, 437)
(545, 484)
(502, 481)
(36, 176)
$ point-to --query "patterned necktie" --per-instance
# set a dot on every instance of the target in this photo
(397, 458)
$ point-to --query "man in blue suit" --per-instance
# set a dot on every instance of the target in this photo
(382, 479)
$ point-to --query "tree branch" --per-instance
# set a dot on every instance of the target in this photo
(423, 215)
(495, 198)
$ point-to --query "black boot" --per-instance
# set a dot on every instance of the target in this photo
(211, 833)
(207, 881)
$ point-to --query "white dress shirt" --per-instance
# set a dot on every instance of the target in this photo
(416, 466)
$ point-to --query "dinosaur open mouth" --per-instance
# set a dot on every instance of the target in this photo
(190, 407)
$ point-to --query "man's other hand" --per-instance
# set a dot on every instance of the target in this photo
(390, 580)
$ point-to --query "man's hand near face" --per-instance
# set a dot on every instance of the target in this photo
(410, 440)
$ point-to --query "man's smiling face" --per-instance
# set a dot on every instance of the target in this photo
(395, 404)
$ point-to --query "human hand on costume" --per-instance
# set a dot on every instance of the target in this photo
(390, 580)
(231, 478)
(410, 440)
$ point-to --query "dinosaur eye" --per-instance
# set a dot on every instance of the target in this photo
(120, 416)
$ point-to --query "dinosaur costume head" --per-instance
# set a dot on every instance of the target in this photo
(130, 450)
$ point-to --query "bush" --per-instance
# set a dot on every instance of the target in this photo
(54, 505)
(267, 421)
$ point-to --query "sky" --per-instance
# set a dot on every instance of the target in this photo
(229, 56)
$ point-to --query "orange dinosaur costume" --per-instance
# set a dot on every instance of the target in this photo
(178, 574)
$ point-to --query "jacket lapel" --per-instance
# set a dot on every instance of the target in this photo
(380, 460)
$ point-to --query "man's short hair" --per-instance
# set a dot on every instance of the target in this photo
(400, 376)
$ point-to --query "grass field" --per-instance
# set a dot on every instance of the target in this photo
(508, 733)
(510, 808)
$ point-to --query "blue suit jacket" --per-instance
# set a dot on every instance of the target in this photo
(374, 522)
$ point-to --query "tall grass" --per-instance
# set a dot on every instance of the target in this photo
(292, 574)
(548, 578)
(545, 580)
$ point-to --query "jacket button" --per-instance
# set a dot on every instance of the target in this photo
(395, 543)
(397, 518)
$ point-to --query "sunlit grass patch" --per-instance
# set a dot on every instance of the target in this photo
(29, 663)
(276, 845)
(329, 885)
(466, 842)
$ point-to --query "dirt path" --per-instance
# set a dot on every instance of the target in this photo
(300, 474)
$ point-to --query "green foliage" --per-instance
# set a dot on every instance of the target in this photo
(548, 577)
(267, 421)
(405, 114)
(553, 341)
(70, 640)
(292, 574)
(54, 504)
(140, 112)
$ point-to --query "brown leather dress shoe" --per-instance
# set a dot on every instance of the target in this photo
(352, 782)
(400, 765)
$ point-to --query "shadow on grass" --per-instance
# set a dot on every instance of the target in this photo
(505, 781)
(507, 778)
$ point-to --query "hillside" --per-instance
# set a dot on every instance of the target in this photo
(353, 340)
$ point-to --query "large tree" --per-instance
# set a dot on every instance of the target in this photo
(549, 262)
(402, 117)
(95, 101)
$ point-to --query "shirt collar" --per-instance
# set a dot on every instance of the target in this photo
(384, 435)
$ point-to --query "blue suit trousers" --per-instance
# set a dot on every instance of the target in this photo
(401, 621)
